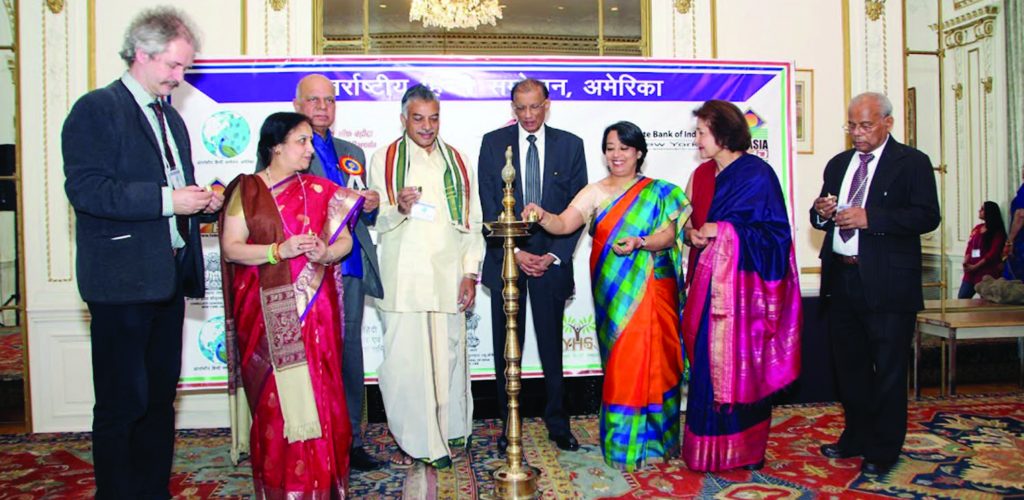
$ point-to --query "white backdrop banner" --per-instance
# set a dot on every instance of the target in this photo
(225, 101)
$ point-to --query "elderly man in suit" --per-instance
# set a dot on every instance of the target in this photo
(550, 170)
(876, 201)
(129, 177)
(344, 163)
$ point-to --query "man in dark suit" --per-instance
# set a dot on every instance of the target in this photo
(876, 201)
(344, 163)
(550, 170)
(129, 177)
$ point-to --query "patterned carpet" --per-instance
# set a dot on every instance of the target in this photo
(970, 447)
(10, 355)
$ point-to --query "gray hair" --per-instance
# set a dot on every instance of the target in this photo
(880, 98)
(418, 92)
(153, 29)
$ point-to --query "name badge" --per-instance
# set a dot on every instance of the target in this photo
(976, 253)
(423, 211)
(177, 178)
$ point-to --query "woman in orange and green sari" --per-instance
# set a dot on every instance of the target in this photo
(634, 265)
(282, 235)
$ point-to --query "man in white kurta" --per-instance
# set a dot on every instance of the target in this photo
(431, 248)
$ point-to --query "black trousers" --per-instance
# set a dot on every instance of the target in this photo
(352, 375)
(871, 351)
(136, 362)
(548, 313)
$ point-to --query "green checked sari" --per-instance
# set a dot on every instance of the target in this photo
(637, 301)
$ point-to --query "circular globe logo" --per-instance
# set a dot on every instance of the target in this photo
(211, 340)
(225, 134)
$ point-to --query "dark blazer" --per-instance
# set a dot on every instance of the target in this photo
(902, 205)
(371, 267)
(565, 174)
(114, 172)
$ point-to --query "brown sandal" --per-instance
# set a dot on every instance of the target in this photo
(400, 460)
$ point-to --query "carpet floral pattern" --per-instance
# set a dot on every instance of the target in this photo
(11, 356)
(969, 447)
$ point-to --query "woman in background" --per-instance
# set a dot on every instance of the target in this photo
(634, 268)
(281, 235)
(983, 256)
(743, 334)
(1014, 250)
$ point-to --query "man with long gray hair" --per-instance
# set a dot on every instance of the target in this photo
(128, 165)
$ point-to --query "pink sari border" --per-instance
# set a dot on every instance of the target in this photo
(754, 325)
(718, 453)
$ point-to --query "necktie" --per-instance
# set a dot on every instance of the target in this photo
(531, 193)
(179, 220)
(857, 189)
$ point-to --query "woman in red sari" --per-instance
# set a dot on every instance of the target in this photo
(281, 235)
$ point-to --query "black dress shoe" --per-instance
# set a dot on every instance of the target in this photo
(834, 451)
(565, 442)
(756, 466)
(502, 444)
(876, 467)
(360, 460)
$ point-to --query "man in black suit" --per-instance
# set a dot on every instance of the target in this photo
(129, 177)
(876, 202)
(345, 164)
(550, 170)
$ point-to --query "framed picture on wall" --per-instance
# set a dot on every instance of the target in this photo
(804, 85)
(912, 117)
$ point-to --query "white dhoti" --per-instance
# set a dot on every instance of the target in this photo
(424, 380)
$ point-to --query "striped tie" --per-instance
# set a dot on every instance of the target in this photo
(531, 192)
(857, 189)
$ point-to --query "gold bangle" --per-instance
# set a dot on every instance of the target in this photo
(277, 253)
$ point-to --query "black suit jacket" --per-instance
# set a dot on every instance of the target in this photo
(565, 174)
(114, 174)
(371, 266)
(902, 205)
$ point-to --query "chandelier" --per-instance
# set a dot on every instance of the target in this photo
(452, 14)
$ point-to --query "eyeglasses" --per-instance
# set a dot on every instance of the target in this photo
(533, 107)
(851, 128)
(319, 100)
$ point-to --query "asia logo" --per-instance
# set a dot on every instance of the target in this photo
(758, 135)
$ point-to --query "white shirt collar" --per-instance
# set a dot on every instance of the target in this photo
(141, 95)
(877, 151)
(523, 134)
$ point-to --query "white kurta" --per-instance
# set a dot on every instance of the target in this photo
(424, 378)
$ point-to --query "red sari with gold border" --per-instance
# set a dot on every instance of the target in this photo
(283, 468)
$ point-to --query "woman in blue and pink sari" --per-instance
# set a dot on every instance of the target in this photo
(282, 234)
(742, 335)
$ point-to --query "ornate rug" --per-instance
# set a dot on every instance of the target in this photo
(10, 356)
(968, 447)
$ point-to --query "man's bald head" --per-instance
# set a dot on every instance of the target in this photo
(314, 97)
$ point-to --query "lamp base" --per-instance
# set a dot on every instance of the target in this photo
(515, 484)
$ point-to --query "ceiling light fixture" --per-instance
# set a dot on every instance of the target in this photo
(452, 14)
